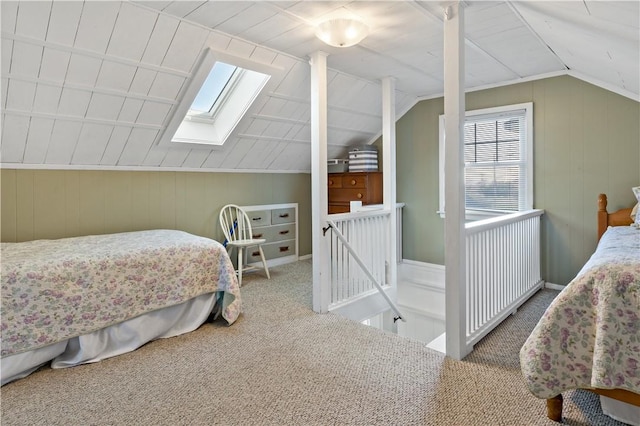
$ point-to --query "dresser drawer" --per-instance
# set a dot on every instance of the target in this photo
(279, 216)
(335, 208)
(354, 181)
(279, 249)
(334, 181)
(259, 217)
(276, 233)
(347, 194)
(272, 251)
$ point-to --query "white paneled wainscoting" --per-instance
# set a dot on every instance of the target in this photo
(503, 271)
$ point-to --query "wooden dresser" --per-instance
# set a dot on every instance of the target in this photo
(356, 186)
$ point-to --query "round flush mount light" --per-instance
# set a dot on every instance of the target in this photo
(342, 32)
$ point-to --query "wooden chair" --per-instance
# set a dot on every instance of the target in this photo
(236, 227)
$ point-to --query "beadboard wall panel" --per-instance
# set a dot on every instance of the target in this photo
(39, 204)
(586, 142)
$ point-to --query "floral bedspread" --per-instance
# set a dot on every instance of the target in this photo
(53, 290)
(590, 334)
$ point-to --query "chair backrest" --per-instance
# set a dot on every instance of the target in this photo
(235, 223)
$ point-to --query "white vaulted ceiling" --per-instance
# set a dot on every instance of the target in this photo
(94, 84)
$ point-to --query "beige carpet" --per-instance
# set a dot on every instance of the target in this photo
(283, 364)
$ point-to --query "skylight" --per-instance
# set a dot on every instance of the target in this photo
(218, 79)
(220, 92)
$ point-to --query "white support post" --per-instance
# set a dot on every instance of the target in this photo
(454, 113)
(319, 199)
(389, 172)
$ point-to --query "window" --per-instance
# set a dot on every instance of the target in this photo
(220, 92)
(498, 160)
(220, 77)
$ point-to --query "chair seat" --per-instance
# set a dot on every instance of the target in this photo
(246, 243)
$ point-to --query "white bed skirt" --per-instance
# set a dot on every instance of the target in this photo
(111, 341)
(620, 411)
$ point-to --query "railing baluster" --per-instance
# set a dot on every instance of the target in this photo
(503, 268)
(368, 235)
(503, 264)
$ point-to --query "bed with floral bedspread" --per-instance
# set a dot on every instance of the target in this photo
(589, 337)
(53, 290)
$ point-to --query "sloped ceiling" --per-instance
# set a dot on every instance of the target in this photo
(93, 84)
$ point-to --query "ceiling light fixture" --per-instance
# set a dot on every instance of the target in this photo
(342, 32)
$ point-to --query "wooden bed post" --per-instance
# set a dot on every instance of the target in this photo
(602, 215)
(620, 217)
(554, 408)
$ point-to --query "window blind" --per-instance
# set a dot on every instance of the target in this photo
(495, 166)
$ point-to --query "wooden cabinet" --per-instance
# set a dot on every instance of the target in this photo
(278, 224)
(357, 186)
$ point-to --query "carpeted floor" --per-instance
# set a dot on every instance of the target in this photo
(283, 364)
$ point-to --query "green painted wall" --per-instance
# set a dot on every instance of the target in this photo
(55, 203)
(586, 141)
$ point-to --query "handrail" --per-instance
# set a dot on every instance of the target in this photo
(365, 270)
(493, 222)
(368, 211)
(360, 214)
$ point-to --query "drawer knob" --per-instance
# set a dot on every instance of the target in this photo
(283, 249)
(257, 218)
(284, 215)
(353, 181)
(285, 232)
(330, 182)
(359, 195)
(255, 253)
(257, 235)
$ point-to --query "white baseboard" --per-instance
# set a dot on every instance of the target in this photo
(553, 286)
(276, 262)
(305, 257)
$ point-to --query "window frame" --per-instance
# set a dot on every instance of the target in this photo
(477, 214)
(190, 90)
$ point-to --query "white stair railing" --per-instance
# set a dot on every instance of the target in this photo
(503, 269)
(360, 257)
